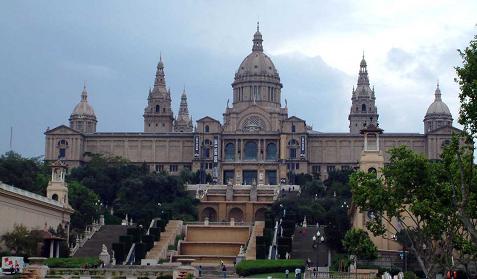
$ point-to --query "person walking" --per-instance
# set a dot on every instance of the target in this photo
(200, 271)
(224, 270)
(286, 273)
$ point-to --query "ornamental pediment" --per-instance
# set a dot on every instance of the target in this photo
(62, 130)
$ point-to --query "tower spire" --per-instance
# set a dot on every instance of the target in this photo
(183, 122)
(437, 93)
(84, 93)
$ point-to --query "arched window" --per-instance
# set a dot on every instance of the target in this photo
(250, 150)
(363, 108)
(158, 108)
(54, 197)
(206, 128)
(230, 152)
(372, 170)
(271, 151)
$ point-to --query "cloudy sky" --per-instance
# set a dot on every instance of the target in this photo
(48, 49)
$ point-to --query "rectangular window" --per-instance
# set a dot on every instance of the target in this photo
(173, 168)
(315, 169)
(62, 153)
(345, 167)
(292, 153)
(159, 167)
(330, 169)
(297, 166)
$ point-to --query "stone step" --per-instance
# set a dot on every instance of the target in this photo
(107, 235)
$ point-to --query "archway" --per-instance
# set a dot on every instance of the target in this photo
(236, 213)
(209, 212)
(260, 214)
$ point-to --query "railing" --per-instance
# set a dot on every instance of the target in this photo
(207, 223)
(87, 235)
(272, 249)
(131, 257)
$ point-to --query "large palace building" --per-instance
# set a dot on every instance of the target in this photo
(257, 139)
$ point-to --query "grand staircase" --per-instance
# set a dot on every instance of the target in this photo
(303, 246)
(107, 235)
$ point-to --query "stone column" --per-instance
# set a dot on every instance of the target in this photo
(51, 247)
(57, 249)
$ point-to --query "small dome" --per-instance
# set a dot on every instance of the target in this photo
(438, 106)
(83, 108)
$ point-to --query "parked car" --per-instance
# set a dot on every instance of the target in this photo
(12, 265)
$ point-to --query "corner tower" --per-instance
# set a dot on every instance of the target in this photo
(83, 119)
(158, 116)
(438, 114)
(363, 108)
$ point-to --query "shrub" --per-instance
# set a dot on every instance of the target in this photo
(246, 268)
(410, 275)
(72, 262)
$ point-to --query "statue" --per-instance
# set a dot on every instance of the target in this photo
(104, 255)
(241, 252)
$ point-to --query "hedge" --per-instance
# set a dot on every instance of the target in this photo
(246, 268)
(73, 262)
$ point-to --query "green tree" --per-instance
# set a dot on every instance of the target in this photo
(86, 204)
(159, 194)
(357, 242)
(21, 241)
(104, 175)
(29, 174)
(461, 157)
(467, 80)
(413, 196)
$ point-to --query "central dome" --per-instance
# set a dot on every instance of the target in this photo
(257, 63)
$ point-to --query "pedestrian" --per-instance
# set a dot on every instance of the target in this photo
(297, 273)
(224, 270)
(200, 271)
(314, 272)
(286, 273)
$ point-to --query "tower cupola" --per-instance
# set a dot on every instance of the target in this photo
(438, 114)
(83, 118)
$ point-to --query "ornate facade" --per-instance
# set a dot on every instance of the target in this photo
(257, 140)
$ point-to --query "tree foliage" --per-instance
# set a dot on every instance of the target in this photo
(21, 241)
(325, 203)
(357, 242)
(413, 196)
(158, 194)
(467, 80)
(86, 204)
(104, 175)
(30, 174)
